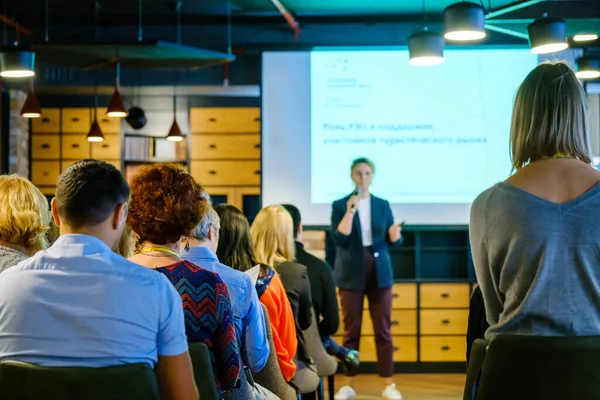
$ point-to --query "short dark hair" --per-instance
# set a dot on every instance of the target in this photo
(88, 192)
(362, 160)
(296, 217)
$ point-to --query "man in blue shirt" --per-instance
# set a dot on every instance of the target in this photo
(79, 304)
(247, 311)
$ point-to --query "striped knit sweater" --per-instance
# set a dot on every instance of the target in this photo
(208, 317)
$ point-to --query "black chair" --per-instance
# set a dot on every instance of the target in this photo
(519, 367)
(203, 371)
(22, 381)
(476, 360)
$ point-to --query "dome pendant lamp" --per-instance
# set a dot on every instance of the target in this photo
(426, 49)
(464, 22)
(588, 67)
(17, 63)
(547, 35)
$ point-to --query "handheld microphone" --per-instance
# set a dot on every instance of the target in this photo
(356, 192)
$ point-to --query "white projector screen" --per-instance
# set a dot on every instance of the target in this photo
(438, 135)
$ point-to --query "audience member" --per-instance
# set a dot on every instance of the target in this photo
(247, 311)
(535, 236)
(24, 220)
(235, 249)
(273, 238)
(79, 304)
(324, 297)
(126, 243)
(167, 204)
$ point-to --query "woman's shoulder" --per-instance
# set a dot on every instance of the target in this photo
(187, 270)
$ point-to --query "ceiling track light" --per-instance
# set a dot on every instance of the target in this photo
(31, 107)
(588, 67)
(17, 63)
(426, 49)
(464, 22)
(547, 35)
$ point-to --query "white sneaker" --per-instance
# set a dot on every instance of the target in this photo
(345, 393)
(391, 393)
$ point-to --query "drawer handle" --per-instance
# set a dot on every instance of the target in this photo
(45, 146)
(445, 321)
(45, 173)
(257, 172)
(212, 172)
(75, 119)
(75, 145)
(212, 146)
(445, 348)
(257, 119)
(445, 295)
(395, 295)
(395, 323)
(257, 146)
(45, 120)
(395, 348)
(105, 146)
(212, 120)
(105, 120)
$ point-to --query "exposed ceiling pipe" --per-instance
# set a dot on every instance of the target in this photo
(10, 22)
(289, 18)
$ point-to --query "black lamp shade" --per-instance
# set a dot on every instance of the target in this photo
(588, 67)
(31, 107)
(175, 133)
(95, 134)
(116, 106)
(547, 35)
(426, 48)
(16, 63)
(464, 21)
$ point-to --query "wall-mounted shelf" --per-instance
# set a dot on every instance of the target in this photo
(139, 149)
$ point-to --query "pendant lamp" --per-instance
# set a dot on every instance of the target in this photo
(95, 134)
(116, 106)
(426, 49)
(17, 63)
(547, 35)
(175, 132)
(464, 22)
(585, 37)
(588, 67)
(31, 107)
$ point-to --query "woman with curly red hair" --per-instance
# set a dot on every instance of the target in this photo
(166, 204)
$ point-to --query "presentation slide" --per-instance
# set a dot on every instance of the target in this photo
(436, 135)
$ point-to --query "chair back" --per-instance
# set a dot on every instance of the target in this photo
(326, 365)
(520, 367)
(270, 377)
(478, 350)
(22, 381)
(203, 371)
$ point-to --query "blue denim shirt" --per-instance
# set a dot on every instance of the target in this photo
(247, 311)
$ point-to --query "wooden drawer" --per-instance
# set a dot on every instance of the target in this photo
(225, 120)
(76, 120)
(109, 149)
(405, 349)
(108, 125)
(210, 147)
(75, 147)
(404, 322)
(444, 322)
(48, 190)
(226, 194)
(45, 147)
(226, 173)
(116, 163)
(45, 173)
(445, 295)
(49, 122)
(443, 348)
(404, 295)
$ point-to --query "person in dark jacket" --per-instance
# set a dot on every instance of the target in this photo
(363, 230)
(324, 297)
(273, 238)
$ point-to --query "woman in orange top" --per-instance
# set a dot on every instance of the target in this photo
(236, 250)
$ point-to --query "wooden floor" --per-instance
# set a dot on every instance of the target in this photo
(412, 387)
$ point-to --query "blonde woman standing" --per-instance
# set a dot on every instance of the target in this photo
(535, 237)
(24, 220)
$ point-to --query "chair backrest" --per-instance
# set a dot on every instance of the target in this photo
(478, 350)
(22, 381)
(203, 371)
(520, 367)
(326, 365)
(270, 377)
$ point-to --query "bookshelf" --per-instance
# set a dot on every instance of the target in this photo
(139, 149)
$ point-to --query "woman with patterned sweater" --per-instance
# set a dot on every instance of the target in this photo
(166, 204)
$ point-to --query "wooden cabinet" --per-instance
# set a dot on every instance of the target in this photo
(443, 348)
(225, 120)
(109, 149)
(45, 147)
(75, 147)
(214, 147)
(226, 173)
(76, 120)
(404, 347)
(108, 125)
(45, 173)
(49, 122)
(444, 322)
(445, 295)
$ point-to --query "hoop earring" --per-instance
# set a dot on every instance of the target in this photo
(187, 245)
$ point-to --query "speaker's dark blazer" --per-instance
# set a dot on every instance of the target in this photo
(348, 268)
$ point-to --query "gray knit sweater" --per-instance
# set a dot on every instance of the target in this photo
(537, 262)
(10, 257)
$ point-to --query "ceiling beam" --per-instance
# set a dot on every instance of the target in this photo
(511, 8)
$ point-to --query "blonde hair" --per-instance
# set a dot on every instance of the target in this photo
(126, 245)
(549, 116)
(273, 236)
(25, 215)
